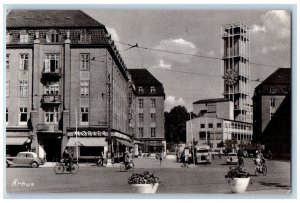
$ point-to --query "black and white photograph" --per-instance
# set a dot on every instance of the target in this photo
(161, 100)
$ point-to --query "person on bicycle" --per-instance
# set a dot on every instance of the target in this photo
(67, 159)
(259, 160)
(127, 159)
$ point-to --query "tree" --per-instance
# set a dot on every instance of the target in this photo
(175, 124)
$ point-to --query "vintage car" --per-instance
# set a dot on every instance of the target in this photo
(232, 158)
(24, 159)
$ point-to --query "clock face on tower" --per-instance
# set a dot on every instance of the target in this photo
(230, 77)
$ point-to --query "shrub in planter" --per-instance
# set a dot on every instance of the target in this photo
(144, 182)
(238, 178)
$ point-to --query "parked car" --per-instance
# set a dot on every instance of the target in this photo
(24, 159)
(232, 158)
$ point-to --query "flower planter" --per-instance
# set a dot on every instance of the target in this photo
(145, 188)
(239, 185)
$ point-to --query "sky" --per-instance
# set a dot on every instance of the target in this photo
(187, 79)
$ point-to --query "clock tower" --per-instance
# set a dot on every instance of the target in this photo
(236, 69)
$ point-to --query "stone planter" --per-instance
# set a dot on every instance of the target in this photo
(145, 188)
(239, 185)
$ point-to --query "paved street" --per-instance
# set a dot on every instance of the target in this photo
(200, 179)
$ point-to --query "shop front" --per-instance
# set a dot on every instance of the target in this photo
(90, 145)
(17, 142)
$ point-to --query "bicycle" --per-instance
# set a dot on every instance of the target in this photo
(128, 167)
(261, 169)
(102, 161)
(61, 167)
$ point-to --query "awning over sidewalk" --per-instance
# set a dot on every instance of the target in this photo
(87, 141)
(124, 142)
(154, 144)
(16, 140)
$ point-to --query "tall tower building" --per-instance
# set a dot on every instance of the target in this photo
(236, 69)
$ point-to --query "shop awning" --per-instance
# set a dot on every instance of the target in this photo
(154, 144)
(126, 143)
(87, 141)
(16, 140)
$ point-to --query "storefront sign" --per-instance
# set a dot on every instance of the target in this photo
(89, 133)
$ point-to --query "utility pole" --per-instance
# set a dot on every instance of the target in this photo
(109, 150)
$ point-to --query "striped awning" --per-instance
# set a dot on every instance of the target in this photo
(126, 143)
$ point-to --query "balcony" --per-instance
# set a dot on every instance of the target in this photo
(51, 100)
(51, 75)
(47, 128)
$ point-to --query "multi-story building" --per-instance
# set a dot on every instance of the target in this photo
(231, 115)
(150, 98)
(66, 81)
(272, 112)
(215, 125)
(236, 69)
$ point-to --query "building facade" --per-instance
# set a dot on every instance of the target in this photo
(272, 112)
(150, 121)
(66, 81)
(236, 69)
(214, 125)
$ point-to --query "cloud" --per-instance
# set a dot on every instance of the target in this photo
(114, 36)
(176, 45)
(163, 65)
(274, 31)
(171, 102)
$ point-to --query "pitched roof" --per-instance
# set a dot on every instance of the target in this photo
(142, 77)
(280, 76)
(211, 100)
(50, 18)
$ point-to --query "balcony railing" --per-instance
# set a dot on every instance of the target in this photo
(48, 75)
(51, 99)
(47, 127)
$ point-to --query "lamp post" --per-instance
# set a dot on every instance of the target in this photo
(76, 133)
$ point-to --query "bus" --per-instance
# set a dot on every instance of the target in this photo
(202, 154)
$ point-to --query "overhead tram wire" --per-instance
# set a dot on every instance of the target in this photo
(193, 55)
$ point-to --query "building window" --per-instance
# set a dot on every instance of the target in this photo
(141, 117)
(272, 102)
(84, 61)
(23, 116)
(84, 115)
(141, 103)
(7, 88)
(24, 62)
(23, 88)
(272, 90)
(219, 125)
(52, 63)
(141, 132)
(141, 90)
(51, 114)
(84, 87)
(153, 115)
(52, 36)
(8, 37)
(84, 37)
(6, 115)
(271, 115)
(52, 88)
(24, 36)
(7, 62)
(152, 90)
(152, 132)
(202, 125)
(152, 101)
(210, 125)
